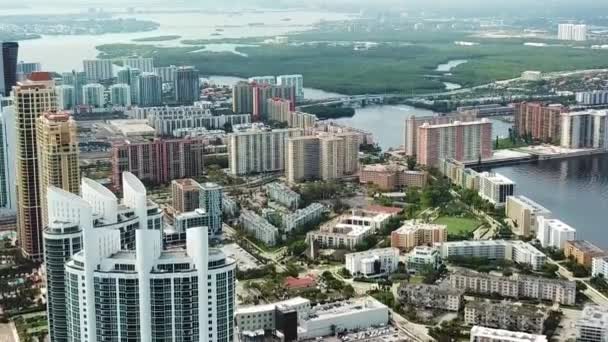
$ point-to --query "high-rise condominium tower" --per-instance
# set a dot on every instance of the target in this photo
(66, 97)
(93, 95)
(8, 195)
(77, 79)
(120, 95)
(141, 294)
(187, 86)
(68, 214)
(259, 150)
(98, 69)
(8, 66)
(57, 141)
(327, 157)
(150, 87)
(31, 99)
(141, 63)
(242, 98)
(211, 201)
(296, 81)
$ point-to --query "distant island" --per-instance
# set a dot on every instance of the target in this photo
(157, 38)
(19, 27)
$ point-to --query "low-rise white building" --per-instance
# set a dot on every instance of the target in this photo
(263, 317)
(259, 227)
(524, 253)
(531, 75)
(515, 250)
(421, 257)
(483, 334)
(356, 314)
(600, 267)
(282, 194)
(553, 232)
(372, 263)
(302, 217)
(592, 326)
(348, 230)
(495, 187)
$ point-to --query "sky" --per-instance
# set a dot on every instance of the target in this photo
(536, 8)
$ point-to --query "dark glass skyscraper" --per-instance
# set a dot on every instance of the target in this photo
(186, 85)
(8, 67)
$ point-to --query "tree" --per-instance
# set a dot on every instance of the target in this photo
(348, 291)
(228, 127)
(411, 162)
(345, 273)
(298, 247)
(436, 194)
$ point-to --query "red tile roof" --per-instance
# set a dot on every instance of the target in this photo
(40, 76)
(300, 283)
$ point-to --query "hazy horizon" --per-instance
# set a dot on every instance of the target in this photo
(524, 8)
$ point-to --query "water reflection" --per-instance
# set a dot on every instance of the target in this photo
(575, 190)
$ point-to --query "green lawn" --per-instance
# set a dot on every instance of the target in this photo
(458, 224)
(507, 143)
(392, 67)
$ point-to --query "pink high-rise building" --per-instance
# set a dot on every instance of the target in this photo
(263, 92)
(158, 161)
(461, 141)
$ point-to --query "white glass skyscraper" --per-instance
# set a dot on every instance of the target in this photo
(66, 97)
(150, 87)
(93, 95)
(112, 292)
(120, 95)
(296, 81)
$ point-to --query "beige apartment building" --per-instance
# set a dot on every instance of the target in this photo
(523, 212)
(185, 194)
(31, 99)
(583, 252)
(57, 139)
(332, 157)
(326, 156)
(391, 177)
(302, 159)
(414, 233)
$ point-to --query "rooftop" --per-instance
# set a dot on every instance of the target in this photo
(585, 246)
(413, 225)
(506, 307)
(270, 307)
(422, 250)
(456, 123)
(377, 251)
(132, 127)
(506, 335)
(496, 178)
(331, 310)
(594, 315)
(529, 203)
(594, 112)
(559, 225)
(187, 184)
(432, 288)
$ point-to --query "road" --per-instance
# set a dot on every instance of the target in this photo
(593, 294)
(416, 332)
